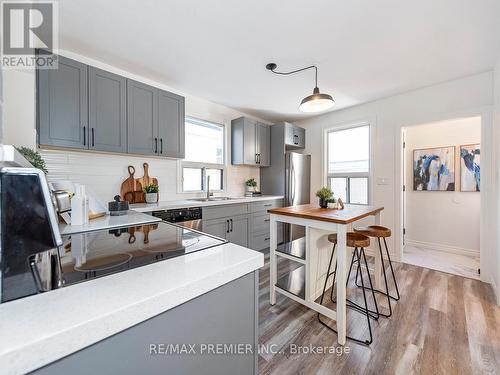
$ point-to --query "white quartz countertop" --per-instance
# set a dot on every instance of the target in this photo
(107, 222)
(43, 328)
(167, 205)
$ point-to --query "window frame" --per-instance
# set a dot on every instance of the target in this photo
(348, 175)
(204, 166)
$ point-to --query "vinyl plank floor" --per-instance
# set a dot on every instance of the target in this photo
(443, 324)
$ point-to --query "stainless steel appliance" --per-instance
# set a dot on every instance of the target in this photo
(187, 217)
(289, 175)
(28, 224)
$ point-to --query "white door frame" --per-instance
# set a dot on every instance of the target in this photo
(488, 194)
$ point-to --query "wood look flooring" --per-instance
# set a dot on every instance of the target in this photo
(443, 324)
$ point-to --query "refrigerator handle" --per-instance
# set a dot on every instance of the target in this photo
(292, 177)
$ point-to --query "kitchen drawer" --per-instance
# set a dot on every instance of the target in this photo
(259, 223)
(263, 206)
(262, 240)
(216, 212)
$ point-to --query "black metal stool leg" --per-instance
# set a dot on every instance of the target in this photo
(365, 342)
(393, 274)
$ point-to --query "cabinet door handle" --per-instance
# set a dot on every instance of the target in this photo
(93, 144)
(267, 239)
(156, 145)
(231, 224)
(266, 220)
(84, 135)
(268, 205)
(161, 145)
(227, 226)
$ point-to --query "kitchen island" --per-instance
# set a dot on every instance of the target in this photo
(111, 324)
(303, 284)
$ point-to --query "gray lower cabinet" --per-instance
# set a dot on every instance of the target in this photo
(232, 228)
(62, 105)
(226, 315)
(107, 111)
(171, 125)
(142, 119)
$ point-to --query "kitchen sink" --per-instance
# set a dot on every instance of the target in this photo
(212, 199)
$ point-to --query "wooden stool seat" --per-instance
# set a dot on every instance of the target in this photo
(353, 239)
(374, 231)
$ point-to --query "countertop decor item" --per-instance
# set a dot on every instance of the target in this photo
(251, 184)
(151, 193)
(317, 102)
(34, 158)
(118, 207)
(131, 189)
(324, 194)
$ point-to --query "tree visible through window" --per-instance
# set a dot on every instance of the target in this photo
(348, 158)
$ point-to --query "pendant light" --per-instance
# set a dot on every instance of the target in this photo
(317, 102)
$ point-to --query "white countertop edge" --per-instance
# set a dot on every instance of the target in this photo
(29, 354)
(187, 203)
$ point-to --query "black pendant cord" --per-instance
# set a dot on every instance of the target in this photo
(273, 66)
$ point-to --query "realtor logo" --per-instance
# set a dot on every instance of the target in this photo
(29, 34)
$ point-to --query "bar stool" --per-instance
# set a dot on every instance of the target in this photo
(358, 242)
(378, 232)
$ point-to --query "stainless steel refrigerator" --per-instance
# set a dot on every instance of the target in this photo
(289, 175)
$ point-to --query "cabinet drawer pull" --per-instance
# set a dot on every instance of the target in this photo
(266, 220)
(268, 205)
(266, 239)
(84, 135)
(161, 145)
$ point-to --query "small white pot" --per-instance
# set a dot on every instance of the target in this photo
(151, 197)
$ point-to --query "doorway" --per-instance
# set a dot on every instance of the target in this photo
(441, 195)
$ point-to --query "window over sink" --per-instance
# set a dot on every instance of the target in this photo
(205, 156)
(348, 163)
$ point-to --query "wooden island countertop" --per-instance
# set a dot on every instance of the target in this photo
(350, 213)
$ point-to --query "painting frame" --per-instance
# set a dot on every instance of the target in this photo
(419, 176)
(477, 188)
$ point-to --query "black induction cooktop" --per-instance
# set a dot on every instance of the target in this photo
(86, 256)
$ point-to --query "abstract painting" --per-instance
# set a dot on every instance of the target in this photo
(434, 169)
(470, 167)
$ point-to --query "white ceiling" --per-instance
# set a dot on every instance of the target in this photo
(218, 49)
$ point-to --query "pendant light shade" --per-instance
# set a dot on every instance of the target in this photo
(317, 102)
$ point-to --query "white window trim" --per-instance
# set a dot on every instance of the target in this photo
(371, 123)
(192, 164)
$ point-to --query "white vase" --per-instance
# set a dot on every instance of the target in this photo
(151, 197)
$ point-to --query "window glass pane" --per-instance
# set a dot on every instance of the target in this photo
(348, 150)
(339, 187)
(191, 179)
(358, 190)
(215, 178)
(204, 142)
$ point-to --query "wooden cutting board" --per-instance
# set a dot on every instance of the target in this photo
(131, 187)
(146, 179)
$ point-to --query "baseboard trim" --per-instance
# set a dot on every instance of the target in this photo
(443, 248)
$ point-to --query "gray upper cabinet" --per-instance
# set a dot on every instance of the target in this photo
(107, 111)
(295, 137)
(171, 125)
(62, 106)
(250, 142)
(142, 107)
(82, 107)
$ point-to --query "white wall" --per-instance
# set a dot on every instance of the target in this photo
(103, 173)
(465, 97)
(443, 220)
(496, 275)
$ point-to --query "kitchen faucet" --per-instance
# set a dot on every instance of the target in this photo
(208, 188)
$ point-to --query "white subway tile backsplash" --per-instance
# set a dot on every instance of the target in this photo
(104, 173)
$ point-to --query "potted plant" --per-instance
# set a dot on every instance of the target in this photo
(33, 157)
(151, 193)
(251, 184)
(325, 195)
